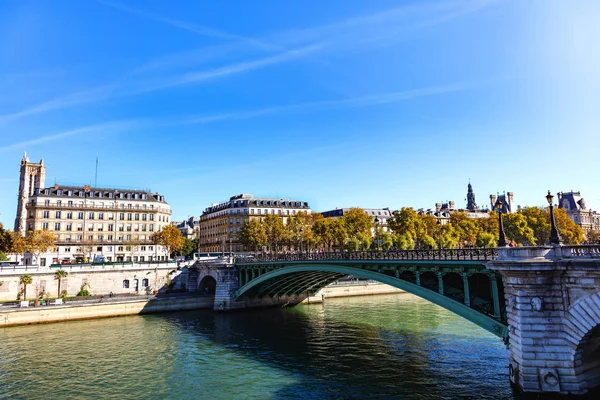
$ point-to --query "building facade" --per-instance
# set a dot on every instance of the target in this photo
(443, 211)
(190, 228)
(576, 209)
(380, 216)
(221, 223)
(116, 224)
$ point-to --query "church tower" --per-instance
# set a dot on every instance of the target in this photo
(33, 176)
(471, 205)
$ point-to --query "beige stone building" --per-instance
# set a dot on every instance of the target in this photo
(220, 223)
(90, 222)
(576, 209)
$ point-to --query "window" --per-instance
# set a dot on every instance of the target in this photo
(259, 211)
(129, 217)
(99, 248)
(120, 248)
(109, 238)
(42, 262)
(128, 227)
(79, 237)
(144, 281)
(57, 214)
(128, 238)
(79, 227)
(137, 217)
(67, 249)
(91, 237)
(100, 215)
(69, 215)
(44, 225)
(111, 227)
(230, 220)
(46, 214)
(136, 227)
(91, 215)
(80, 215)
(58, 203)
(151, 217)
(110, 216)
(68, 238)
(126, 284)
(47, 202)
(151, 227)
(143, 248)
(252, 211)
(237, 220)
(143, 227)
(143, 217)
(90, 227)
(69, 226)
(122, 216)
(121, 228)
(57, 226)
(108, 248)
(150, 248)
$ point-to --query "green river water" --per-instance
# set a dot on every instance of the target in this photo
(388, 346)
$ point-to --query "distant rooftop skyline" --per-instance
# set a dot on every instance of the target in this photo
(341, 103)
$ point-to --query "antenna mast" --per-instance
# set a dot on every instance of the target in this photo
(96, 176)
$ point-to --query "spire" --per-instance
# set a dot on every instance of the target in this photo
(471, 205)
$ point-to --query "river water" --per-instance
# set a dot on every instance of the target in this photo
(388, 346)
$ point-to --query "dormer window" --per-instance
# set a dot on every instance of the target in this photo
(46, 191)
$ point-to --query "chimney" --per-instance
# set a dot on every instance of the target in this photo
(56, 186)
(451, 205)
(510, 199)
(438, 206)
(493, 201)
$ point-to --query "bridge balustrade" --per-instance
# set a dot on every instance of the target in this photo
(475, 254)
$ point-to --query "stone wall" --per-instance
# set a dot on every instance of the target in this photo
(348, 290)
(552, 306)
(70, 312)
(101, 280)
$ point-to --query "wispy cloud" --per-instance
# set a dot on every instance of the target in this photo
(190, 27)
(150, 85)
(106, 127)
(362, 101)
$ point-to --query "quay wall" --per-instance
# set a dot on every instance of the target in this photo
(352, 289)
(101, 279)
(72, 312)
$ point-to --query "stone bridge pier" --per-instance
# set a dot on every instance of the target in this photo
(552, 299)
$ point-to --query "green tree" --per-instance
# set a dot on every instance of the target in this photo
(275, 231)
(485, 239)
(253, 234)
(356, 221)
(570, 232)
(420, 228)
(169, 237)
(59, 275)
(403, 241)
(190, 246)
(538, 219)
(3, 256)
(330, 232)
(517, 229)
(5, 240)
(25, 280)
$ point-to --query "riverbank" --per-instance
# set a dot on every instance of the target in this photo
(74, 311)
(350, 289)
(133, 306)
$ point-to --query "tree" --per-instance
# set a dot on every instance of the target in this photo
(25, 280)
(485, 239)
(190, 246)
(5, 240)
(3, 256)
(169, 237)
(570, 232)
(253, 234)
(275, 231)
(38, 242)
(59, 276)
(593, 237)
(357, 221)
(403, 241)
(421, 228)
(517, 229)
(538, 219)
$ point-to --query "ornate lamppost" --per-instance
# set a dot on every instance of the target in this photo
(554, 235)
(301, 238)
(501, 234)
(377, 232)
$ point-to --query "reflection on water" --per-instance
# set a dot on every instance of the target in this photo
(392, 346)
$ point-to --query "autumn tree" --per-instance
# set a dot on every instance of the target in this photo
(275, 231)
(593, 237)
(169, 237)
(517, 229)
(253, 234)
(420, 228)
(356, 221)
(5, 240)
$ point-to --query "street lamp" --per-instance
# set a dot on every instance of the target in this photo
(301, 237)
(502, 235)
(554, 235)
(377, 232)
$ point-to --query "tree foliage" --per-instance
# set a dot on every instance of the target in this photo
(169, 237)
(5, 240)
(59, 275)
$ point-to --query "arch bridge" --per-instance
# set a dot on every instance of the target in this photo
(455, 279)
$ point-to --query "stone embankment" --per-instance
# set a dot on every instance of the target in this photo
(353, 288)
(74, 311)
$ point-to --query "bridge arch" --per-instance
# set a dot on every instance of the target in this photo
(336, 271)
(583, 321)
(207, 276)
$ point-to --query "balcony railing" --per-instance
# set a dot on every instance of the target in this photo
(470, 254)
(99, 207)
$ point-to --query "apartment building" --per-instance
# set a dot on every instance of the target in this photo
(220, 223)
(87, 222)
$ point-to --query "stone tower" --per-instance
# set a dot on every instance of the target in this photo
(32, 177)
(471, 205)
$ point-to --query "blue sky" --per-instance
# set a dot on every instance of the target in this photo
(339, 103)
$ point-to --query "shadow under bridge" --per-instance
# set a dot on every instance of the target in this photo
(464, 287)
